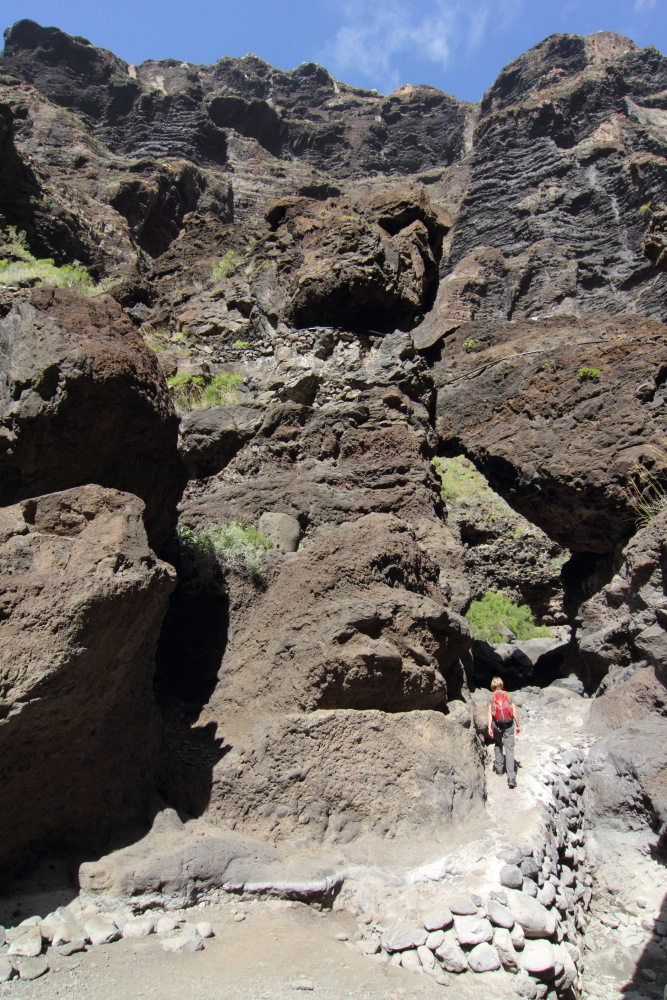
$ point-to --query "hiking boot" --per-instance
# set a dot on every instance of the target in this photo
(497, 770)
(511, 782)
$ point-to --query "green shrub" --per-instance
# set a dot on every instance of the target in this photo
(240, 344)
(196, 392)
(469, 345)
(589, 374)
(225, 267)
(24, 267)
(220, 389)
(494, 612)
(205, 556)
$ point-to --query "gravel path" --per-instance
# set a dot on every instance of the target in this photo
(280, 951)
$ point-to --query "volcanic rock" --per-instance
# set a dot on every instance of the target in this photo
(625, 624)
(353, 620)
(626, 777)
(166, 108)
(82, 400)
(174, 868)
(560, 445)
(550, 222)
(289, 779)
(82, 601)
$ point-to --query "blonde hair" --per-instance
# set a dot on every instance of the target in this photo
(497, 684)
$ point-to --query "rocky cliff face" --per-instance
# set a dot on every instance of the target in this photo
(82, 600)
(339, 287)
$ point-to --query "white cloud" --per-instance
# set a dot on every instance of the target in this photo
(374, 34)
(644, 5)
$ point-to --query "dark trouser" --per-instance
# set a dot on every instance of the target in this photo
(503, 737)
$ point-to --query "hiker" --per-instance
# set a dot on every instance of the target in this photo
(503, 721)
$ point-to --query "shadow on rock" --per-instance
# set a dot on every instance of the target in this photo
(650, 976)
(191, 647)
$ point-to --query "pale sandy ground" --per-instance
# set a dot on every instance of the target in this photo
(262, 958)
(278, 945)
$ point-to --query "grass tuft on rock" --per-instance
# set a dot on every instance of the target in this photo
(205, 555)
(196, 392)
(21, 267)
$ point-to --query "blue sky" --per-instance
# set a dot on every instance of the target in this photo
(456, 45)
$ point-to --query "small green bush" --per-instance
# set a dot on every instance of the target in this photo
(469, 345)
(589, 374)
(494, 612)
(24, 267)
(205, 556)
(240, 344)
(224, 268)
(196, 392)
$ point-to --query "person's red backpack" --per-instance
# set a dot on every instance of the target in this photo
(501, 708)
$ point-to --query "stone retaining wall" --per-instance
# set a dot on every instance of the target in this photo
(526, 919)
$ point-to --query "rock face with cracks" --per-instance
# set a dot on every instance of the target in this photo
(559, 414)
(361, 284)
(354, 619)
(82, 601)
(560, 167)
(290, 778)
(624, 625)
(626, 777)
(82, 400)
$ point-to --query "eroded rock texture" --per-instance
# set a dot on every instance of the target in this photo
(626, 777)
(318, 778)
(366, 282)
(82, 602)
(558, 414)
(569, 144)
(82, 400)
(625, 624)
(355, 619)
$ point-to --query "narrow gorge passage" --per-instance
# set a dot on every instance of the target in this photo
(533, 836)
(261, 332)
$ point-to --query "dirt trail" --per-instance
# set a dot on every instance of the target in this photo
(270, 950)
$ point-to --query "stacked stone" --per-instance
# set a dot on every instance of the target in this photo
(565, 864)
(29, 950)
(527, 925)
(510, 930)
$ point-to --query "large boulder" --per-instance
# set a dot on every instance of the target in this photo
(330, 777)
(624, 625)
(81, 604)
(364, 264)
(82, 400)
(626, 777)
(354, 619)
(624, 696)
(559, 414)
